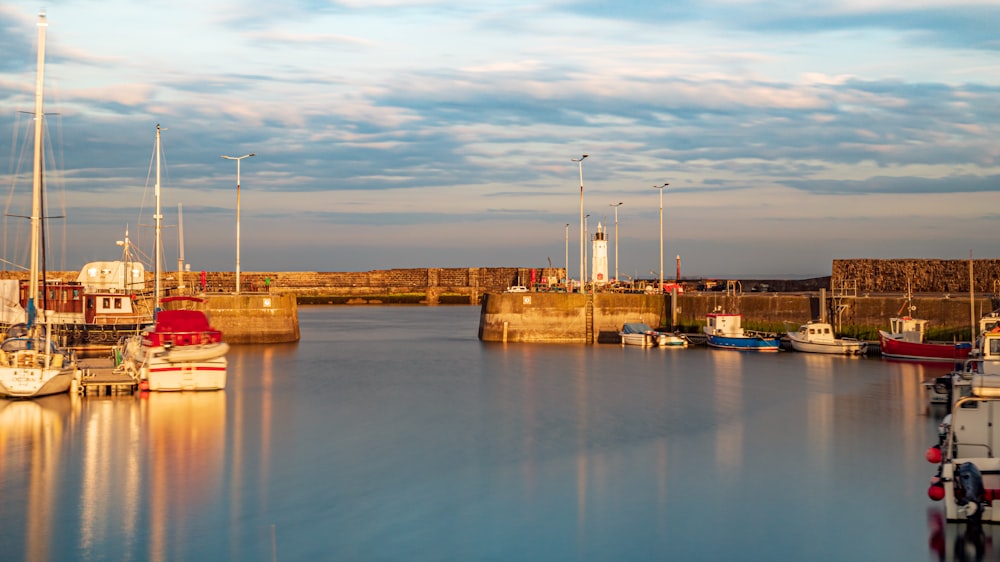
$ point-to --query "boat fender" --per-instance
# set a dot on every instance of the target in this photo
(933, 454)
(936, 491)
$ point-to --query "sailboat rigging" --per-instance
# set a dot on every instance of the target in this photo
(30, 363)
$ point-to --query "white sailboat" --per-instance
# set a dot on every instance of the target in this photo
(181, 351)
(30, 363)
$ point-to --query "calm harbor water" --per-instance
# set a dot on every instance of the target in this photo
(392, 433)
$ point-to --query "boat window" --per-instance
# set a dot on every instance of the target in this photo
(76, 294)
(994, 346)
(106, 303)
(118, 303)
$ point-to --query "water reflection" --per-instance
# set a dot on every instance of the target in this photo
(728, 400)
(960, 542)
(185, 457)
(31, 433)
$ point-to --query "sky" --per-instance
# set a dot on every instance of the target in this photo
(423, 133)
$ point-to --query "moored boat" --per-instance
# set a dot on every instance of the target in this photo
(906, 339)
(725, 331)
(819, 337)
(668, 339)
(968, 474)
(638, 334)
(30, 363)
(181, 351)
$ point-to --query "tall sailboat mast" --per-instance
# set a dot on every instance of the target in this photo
(180, 244)
(36, 188)
(157, 217)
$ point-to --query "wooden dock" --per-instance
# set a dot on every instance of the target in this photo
(100, 377)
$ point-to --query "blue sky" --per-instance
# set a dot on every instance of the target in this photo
(413, 133)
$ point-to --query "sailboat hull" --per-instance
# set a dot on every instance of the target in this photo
(17, 382)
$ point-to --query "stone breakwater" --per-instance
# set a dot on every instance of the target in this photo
(467, 284)
(921, 276)
(424, 285)
(576, 318)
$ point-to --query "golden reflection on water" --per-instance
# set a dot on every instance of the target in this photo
(185, 460)
(728, 374)
(819, 372)
(31, 434)
(111, 467)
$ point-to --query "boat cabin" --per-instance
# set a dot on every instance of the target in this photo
(104, 293)
(816, 332)
(907, 329)
(724, 325)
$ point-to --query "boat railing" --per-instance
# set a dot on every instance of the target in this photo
(989, 449)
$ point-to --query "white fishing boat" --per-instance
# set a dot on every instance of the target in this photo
(181, 350)
(725, 331)
(818, 337)
(30, 363)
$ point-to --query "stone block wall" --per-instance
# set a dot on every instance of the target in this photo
(923, 276)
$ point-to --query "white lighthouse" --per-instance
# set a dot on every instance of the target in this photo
(599, 265)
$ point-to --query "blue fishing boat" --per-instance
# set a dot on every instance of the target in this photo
(725, 331)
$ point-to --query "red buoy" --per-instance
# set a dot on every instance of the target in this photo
(936, 492)
(933, 454)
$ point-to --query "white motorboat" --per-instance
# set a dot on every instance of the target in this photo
(30, 363)
(181, 351)
(968, 474)
(638, 334)
(818, 337)
(667, 339)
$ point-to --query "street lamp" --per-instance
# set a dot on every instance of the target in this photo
(567, 256)
(661, 188)
(586, 254)
(616, 205)
(580, 162)
(238, 159)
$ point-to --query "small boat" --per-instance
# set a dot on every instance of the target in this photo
(30, 363)
(668, 339)
(725, 331)
(181, 351)
(968, 474)
(638, 334)
(818, 337)
(905, 340)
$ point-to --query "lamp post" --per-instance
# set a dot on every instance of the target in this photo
(586, 254)
(661, 188)
(580, 162)
(567, 255)
(616, 205)
(238, 159)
